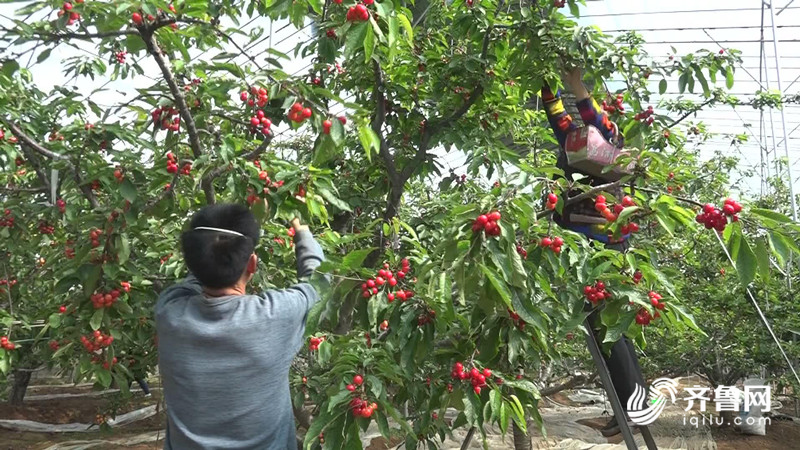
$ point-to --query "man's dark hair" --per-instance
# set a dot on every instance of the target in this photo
(216, 258)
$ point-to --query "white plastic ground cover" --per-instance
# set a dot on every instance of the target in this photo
(82, 394)
(143, 438)
(752, 422)
(123, 419)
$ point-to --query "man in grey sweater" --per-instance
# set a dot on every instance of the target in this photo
(224, 355)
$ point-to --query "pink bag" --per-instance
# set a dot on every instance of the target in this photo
(589, 152)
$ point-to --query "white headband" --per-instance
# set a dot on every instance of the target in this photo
(220, 230)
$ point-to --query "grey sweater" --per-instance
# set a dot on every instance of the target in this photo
(224, 361)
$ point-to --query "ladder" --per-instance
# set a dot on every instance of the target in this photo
(616, 404)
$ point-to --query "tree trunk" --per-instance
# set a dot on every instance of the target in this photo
(727, 418)
(522, 441)
(19, 387)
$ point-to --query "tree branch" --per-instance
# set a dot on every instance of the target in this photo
(379, 93)
(569, 384)
(49, 37)
(592, 192)
(17, 131)
(251, 156)
(29, 142)
(683, 199)
(14, 190)
(180, 100)
(693, 111)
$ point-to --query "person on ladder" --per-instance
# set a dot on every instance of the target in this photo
(623, 364)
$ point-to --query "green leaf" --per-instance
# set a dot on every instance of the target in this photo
(316, 5)
(406, 24)
(682, 82)
(498, 285)
(662, 86)
(762, 255)
(103, 377)
(128, 190)
(62, 350)
(729, 77)
(369, 44)
(124, 248)
(355, 38)
(746, 263)
(369, 140)
(356, 258)
(10, 66)
(770, 215)
(779, 247)
(54, 320)
(97, 319)
(332, 199)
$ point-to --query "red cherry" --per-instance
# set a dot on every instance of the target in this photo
(137, 18)
(326, 126)
(343, 120)
(67, 6)
(546, 242)
(350, 387)
(483, 219)
(558, 242)
(358, 379)
(307, 112)
(552, 198)
(494, 216)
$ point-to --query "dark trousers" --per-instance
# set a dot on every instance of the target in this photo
(623, 364)
(142, 384)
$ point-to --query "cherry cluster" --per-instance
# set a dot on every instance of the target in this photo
(358, 380)
(8, 283)
(104, 300)
(169, 118)
(7, 220)
(260, 120)
(362, 408)
(257, 96)
(386, 277)
(522, 252)
(119, 175)
(553, 243)
(94, 235)
(62, 205)
(713, 217)
(121, 55)
(617, 106)
(6, 344)
(326, 126)
(107, 365)
(637, 277)
(646, 116)
(487, 223)
(172, 163)
(166, 258)
(298, 113)
(313, 342)
(477, 377)
(655, 300)
(596, 293)
(55, 136)
(46, 228)
(517, 321)
(53, 345)
(66, 10)
(126, 286)
(552, 200)
(357, 13)
(643, 317)
(95, 185)
(425, 318)
(559, 3)
(97, 341)
(331, 33)
(384, 325)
